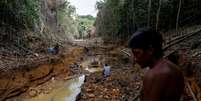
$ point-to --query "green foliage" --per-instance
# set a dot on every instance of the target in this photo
(65, 15)
(85, 24)
(100, 5)
(118, 19)
(52, 21)
(65, 10)
(20, 13)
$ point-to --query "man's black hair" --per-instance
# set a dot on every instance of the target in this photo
(147, 38)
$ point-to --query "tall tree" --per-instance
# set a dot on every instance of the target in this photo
(120, 18)
(158, 14)
(178, 13)
(149, 13)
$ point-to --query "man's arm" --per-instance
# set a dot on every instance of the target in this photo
(153, 86)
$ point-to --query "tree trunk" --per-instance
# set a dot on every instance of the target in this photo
(149, 13)
(158, 14)
(178, 13)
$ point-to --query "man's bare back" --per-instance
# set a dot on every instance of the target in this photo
(163, 82)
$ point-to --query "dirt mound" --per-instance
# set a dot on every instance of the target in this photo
(123, 84)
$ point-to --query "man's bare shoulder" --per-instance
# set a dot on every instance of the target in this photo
(161, 71)
(154, 76)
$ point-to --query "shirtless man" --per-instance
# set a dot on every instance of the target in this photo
(163, 81)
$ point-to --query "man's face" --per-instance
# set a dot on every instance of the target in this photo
(142, 57)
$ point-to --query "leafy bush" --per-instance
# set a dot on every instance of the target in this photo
(85, 24)
(19, 13)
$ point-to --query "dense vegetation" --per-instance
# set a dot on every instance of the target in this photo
(19, 13)
(120, 18)
(25, 24)
(85, 25)
(56, 21)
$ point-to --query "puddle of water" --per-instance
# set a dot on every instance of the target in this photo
(66, 92)
(75, 88)
(87, 64)
(93, 70)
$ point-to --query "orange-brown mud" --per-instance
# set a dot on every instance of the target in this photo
(124, 84)
(34, 81)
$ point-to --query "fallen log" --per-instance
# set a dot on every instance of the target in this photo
(192, 94)
(125, 52)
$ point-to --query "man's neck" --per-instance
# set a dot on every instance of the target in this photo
(154, 62)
